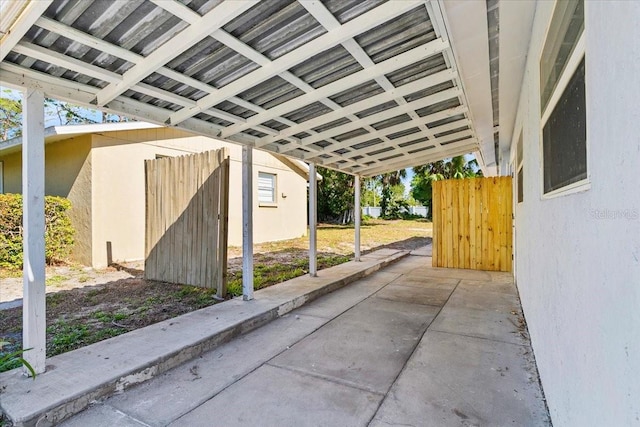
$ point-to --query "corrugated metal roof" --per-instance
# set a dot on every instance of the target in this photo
(360, 86)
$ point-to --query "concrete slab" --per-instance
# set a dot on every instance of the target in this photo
(415, 295)
(479, 323)
(505, 286)
(424, 251)
(103, 416)
(453, 380)
(484, 300)
(455, 273)
(277, 397)
(174, 393)
(335, 303)
(365, 347)
(411, 264)
(76, 378)
(426, 282)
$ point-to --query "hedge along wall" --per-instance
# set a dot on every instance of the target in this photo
(58, 239)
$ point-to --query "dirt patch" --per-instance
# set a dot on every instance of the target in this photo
(117, 300)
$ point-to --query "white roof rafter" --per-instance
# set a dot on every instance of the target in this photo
(214, 73)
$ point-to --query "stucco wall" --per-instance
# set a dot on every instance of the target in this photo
(67, 174)
(12, 167)
(578, 255)
(118, 186)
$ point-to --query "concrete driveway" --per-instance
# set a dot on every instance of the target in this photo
(409, 345)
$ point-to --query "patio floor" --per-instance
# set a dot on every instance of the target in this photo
(408, 345)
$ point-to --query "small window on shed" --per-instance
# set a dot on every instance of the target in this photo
(266, 188)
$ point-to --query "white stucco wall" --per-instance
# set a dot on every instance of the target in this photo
(119, 194)
(578, 256)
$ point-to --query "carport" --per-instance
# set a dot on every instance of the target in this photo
(360, 87)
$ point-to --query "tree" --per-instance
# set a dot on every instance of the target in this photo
(335, 196)
(61, 113)
(370, 192)
(387, 181)
(455, 168)
(10, 117)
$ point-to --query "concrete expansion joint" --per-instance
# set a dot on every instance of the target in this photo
(327, 378)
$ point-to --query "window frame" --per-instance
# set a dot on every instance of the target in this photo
(570, 68)
(1, 176)
(519, 163)
(274, 180)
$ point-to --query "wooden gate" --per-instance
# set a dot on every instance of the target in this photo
(186, 219)
(472, 220)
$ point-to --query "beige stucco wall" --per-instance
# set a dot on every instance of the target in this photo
(118, 191)
(67, 174)
(12, 172)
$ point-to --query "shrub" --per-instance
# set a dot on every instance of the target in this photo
(58, 230)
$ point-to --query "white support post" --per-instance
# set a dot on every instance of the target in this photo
(313, 219)
(33, 306)
(357, 211)
(247, 223)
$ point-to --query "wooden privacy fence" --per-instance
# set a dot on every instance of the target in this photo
(186, 219)
(472, 223)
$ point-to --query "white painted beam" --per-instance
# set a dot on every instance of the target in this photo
(406, 150)
(392, 129)
(81, 94)
(178, 9)
(61, 60)
(182, 41)
(247, 223)
(407, 58)
(458, 149)
(383, 115)
(352, 28)
(423, 83)
(33, 305)
(464, 24)
(17, 29)
(357, 214)
(313, 220)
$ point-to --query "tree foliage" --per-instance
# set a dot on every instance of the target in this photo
(58, 112)
(455, 168)
(390, 203)
(335, 196)
(10, 117)
(58, 238)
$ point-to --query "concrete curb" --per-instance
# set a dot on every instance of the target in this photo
(75, 379)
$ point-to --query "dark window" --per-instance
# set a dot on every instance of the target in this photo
(565, 136)
(519, 167)
(520, 186)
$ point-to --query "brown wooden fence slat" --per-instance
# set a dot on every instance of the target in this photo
(185, 232)
(472, 223)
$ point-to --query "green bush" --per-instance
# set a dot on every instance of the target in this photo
(58, 239)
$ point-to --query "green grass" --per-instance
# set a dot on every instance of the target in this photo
(269, 274)
(67, 336)
(338, 239)
(55, 280)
